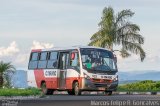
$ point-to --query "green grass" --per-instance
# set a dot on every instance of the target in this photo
(142, 86)
(20, 92)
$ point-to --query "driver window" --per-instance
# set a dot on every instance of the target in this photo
(74, 61)
(110, 62)
(86, 61)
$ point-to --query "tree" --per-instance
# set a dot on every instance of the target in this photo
(116, 30)
(4, 67)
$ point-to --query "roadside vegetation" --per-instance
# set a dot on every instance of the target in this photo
(20, 92)
(142, 86)
(6, 70)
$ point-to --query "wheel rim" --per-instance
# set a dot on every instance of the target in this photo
(76, 90)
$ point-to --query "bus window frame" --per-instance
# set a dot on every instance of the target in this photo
(39, 60)
(74, 67)
(63, 51)
(58, 52)
(70, 51)
(30, 59)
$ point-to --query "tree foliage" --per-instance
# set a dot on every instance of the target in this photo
(117, 30)
(4, 69)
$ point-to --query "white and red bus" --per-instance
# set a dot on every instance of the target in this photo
(74, 69)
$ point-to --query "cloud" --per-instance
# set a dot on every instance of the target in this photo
(153, 57)
(151, 62)
(133, 57)
(127, 63)
(22, 58)
(11, 50)
(40, 45)
(19, 57)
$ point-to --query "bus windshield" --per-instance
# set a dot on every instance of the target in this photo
(98, 59)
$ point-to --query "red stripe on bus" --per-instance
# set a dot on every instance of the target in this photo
(51, 83)
(54, 82)
(39, 76)
(36, 50)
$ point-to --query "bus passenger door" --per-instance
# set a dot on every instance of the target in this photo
(63, 63)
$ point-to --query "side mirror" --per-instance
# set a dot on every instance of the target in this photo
(115, 58)
(72, 56)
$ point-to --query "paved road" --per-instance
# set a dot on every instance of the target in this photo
(89, 100)
(102, 97)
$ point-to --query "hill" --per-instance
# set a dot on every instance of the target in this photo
(134, 76)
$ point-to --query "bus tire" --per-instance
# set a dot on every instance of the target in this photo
(46, 91)
(76, 89)
(108, 93)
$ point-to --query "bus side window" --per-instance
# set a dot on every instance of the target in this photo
(33, 63)
(52, 59)
(43, 60)
(74, 60)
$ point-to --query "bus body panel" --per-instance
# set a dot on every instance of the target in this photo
(49, 76)
(53, 77)
(71, 76)
(31, 80)
(98, 81)
(52, 81)
(39, 77)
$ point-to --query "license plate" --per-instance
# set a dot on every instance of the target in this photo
(101, 89)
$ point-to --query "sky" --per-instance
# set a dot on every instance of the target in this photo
(30, 24)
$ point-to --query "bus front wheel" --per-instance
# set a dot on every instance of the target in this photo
(46, 91)
(76, 89)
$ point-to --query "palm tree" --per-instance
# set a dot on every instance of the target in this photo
(116, 30)
(4, 67)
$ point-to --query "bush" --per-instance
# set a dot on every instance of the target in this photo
(20, 92)
(147, 85)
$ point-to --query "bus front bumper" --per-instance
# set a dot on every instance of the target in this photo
(88, 85)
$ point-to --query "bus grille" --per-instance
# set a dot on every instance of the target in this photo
(102, 80)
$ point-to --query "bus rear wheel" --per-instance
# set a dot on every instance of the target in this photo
(46, 91)
(70, 92)
(76, 89)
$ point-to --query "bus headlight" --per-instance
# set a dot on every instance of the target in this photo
(116, 78)
(86, 76)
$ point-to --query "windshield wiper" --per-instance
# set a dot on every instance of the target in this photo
(108, 66)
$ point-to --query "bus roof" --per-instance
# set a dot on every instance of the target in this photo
(67, 48)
